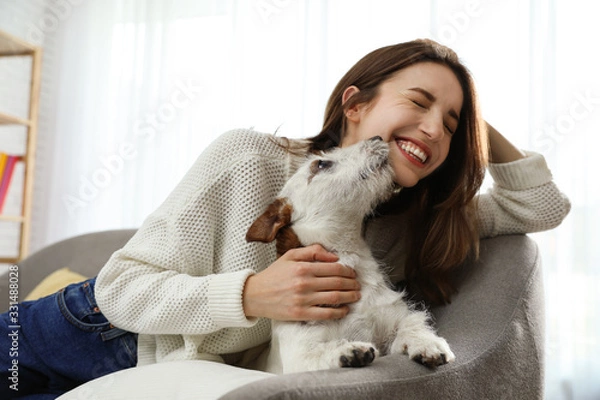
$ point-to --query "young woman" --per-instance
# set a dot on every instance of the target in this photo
(193, 289)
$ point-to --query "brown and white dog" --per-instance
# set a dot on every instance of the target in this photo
(326, 202)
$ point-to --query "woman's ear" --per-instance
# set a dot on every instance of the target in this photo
(353, 112)
(350, 90)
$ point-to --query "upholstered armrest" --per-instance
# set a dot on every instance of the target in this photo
(84, 254)
(494, 325)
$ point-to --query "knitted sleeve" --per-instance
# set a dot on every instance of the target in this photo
(522, 200)
(184, 271)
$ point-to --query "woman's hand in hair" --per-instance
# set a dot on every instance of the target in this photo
(501, 150)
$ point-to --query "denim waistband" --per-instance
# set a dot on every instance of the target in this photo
(78, 305)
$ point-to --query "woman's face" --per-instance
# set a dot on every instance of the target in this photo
(416, 112)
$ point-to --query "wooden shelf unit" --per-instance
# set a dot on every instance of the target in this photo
(11, 46)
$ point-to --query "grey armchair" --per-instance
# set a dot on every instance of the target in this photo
(494, 325)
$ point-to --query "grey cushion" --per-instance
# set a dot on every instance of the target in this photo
(494, 325)
(85, 254)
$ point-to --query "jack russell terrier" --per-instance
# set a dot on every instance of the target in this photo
(326, 202)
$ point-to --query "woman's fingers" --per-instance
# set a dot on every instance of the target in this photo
(333, 298)
(326, 313)
(335, 283)
(313, 253)
(323, 291)
(320, 262)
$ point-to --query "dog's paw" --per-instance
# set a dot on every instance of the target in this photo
(432, 352)
(357, 354)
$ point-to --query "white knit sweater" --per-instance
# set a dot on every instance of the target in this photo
(179, 280)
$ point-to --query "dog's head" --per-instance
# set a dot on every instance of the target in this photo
(327, 197)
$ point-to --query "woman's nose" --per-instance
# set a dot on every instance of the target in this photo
(433, 127)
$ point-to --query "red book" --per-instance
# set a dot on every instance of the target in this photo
(6, 178)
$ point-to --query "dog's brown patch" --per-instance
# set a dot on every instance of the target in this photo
(266, 227)
(286, 240)
(273, 224)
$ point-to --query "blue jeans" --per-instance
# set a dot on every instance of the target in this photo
(51, 345)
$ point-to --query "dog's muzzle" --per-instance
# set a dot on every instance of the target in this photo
(378, 153)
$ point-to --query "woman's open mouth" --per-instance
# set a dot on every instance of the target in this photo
(413, 152)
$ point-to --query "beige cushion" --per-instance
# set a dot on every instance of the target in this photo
(54, 282)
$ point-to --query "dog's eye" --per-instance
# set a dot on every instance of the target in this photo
(319, 166)
(324, 164)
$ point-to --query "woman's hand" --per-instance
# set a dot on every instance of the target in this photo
(501, 150)
(298, 284)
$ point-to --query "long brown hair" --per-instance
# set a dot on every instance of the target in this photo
(444, 229)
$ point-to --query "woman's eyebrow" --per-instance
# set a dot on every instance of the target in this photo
(429, 96)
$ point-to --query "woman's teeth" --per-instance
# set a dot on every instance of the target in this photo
(414, 151)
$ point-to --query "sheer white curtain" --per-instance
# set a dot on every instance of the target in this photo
(135, 89)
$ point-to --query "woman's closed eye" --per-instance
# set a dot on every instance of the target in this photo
(423, 105)
(418, 103)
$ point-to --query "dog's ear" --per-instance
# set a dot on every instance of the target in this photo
(265, 228)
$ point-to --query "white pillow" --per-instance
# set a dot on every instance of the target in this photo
(180, 380)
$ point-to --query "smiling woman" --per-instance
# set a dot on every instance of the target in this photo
(421, 99)
(415, 118)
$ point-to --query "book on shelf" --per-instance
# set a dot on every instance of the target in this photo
(8, 164)
(3, 158)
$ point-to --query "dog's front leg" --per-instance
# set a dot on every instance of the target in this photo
(311, 347)
(311, 356)
(416, 338)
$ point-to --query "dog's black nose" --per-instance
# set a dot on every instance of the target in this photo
(376, 138)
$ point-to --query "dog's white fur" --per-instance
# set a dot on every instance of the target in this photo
(326, 202)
